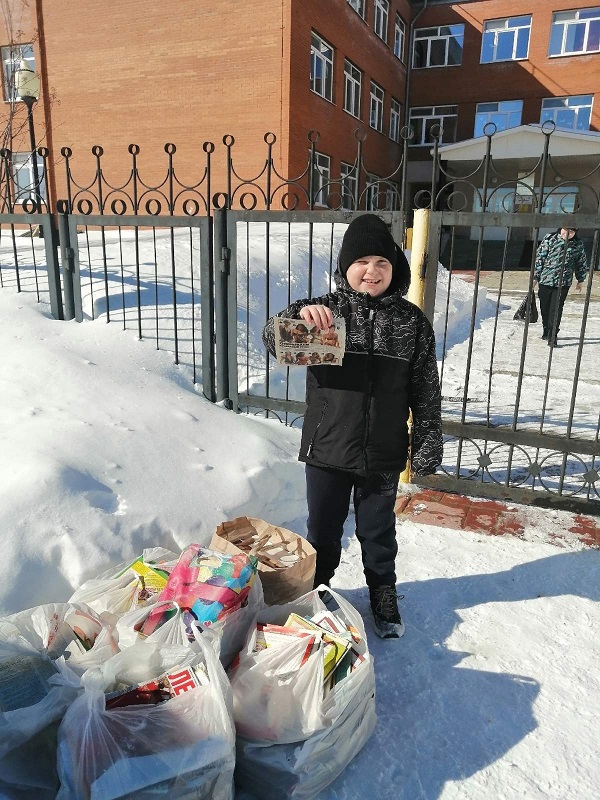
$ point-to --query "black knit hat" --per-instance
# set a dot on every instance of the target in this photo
(368, 235)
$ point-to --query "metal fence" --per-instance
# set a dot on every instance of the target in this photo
(198, 268)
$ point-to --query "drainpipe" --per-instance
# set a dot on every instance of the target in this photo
(411, 46)
(47, 103)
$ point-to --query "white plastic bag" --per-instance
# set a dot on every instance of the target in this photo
(34, 692)
(180, 748)
(227, 635)
(119, 589)
(59, 629)
(28, 772)
(292, 739)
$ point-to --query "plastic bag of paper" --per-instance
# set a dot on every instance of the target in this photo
(28, 772)
(130, 585)
(173, 620)
(296, 731)
(178, 747)
(72, 631)
(34, 692)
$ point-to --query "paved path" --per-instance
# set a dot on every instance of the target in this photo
(458, 512)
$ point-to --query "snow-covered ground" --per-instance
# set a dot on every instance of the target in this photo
(106, 447)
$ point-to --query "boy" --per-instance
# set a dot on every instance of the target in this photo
(355, 435)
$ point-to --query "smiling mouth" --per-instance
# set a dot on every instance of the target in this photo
(372, 282)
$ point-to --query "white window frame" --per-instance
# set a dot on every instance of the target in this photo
(348, 184)
(358, 6)
(23, 165)
(566, 18)
(321, 177)
(352, 88)
(395, 119)
(437, 114)
(392, 198)
(381, 18)
(372, 193)
(447, 37)
(497, 28)
(319, 58)
(498, 111)
(12, 55)
(376, 106)
(575, 107)
(399, 37)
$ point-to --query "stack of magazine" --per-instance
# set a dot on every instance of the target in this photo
(323, 630)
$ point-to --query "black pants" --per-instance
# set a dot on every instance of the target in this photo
(549, 296)
(328, 494)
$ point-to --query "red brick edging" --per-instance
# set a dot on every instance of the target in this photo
(492, 517)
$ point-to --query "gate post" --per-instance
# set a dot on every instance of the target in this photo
(53, 267)
(221, 255)
(67, 260)
(416, 292)
(418, 257)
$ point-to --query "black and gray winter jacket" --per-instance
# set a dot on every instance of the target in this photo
(557, 260)
(356, 417)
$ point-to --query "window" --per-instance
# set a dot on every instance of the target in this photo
(348, 188)
(358, 6)
(575, 32)
(320, 177)
(11, 59)
(557, 199)
(395, 113)
(439, 47)
(570, 113)
(505, 39)
(352, 87)
(372, 193)
(380, 21)
(376, 107)
(399, 37)
(321, 67)
(392, 197)
(423, 119)
(505, 114)
(24, 181)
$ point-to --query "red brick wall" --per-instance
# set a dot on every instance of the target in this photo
(353, 38)
(150, 73)
(532, 80)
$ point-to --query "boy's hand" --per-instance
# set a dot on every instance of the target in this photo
(320, 316)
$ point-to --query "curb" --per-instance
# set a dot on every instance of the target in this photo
(498, 518)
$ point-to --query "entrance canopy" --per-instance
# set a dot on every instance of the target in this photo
(525, 141)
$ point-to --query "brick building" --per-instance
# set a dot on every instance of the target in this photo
(515, 65)
(152, 73)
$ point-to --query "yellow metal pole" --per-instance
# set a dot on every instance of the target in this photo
(416, 293)
(417, 257)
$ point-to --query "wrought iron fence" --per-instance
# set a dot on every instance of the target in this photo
(188, 263)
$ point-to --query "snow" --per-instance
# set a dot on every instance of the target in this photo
(107, 447)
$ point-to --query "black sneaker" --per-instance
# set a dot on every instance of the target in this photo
(545, 335)
(387, 619)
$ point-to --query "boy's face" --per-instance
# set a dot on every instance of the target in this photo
(370, 274)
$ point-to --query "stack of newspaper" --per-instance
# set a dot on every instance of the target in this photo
(323, 630)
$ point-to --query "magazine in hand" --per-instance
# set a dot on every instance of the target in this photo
(300, 344)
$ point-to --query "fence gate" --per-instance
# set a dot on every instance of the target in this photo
(520, 418)
(274, 258)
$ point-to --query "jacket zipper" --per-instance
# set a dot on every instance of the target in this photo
(314, 436)
(370, 386)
